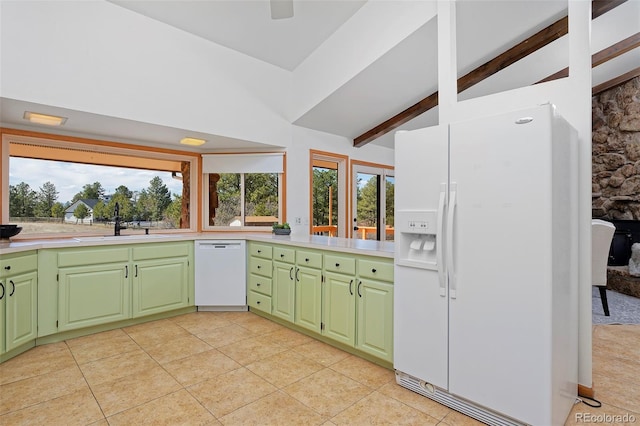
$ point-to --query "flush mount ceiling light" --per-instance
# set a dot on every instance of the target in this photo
(49, 120)
(192, 141)
(281, 9)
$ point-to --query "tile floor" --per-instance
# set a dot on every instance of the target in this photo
(237, 368)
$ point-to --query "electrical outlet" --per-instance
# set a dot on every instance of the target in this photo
(298, 220)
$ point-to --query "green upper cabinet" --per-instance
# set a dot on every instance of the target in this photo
(93, 294)
(18, 300)
(308, 278)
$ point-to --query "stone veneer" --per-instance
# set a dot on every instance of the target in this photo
(616, 152)
(619, 279)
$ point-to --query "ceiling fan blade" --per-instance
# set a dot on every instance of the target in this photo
(281, 9)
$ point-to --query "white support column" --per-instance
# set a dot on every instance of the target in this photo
(580, 81)
(447, 61)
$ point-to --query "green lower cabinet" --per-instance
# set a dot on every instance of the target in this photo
(160, 285)
(93, 295)
(308, 312)
(375, 318)
(283, 296)
(340, 308)
(20, 309)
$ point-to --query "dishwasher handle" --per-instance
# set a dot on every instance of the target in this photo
(219, 246)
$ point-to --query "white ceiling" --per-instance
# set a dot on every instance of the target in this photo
(282, 42)
(403, 76)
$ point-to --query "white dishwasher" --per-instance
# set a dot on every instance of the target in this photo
(220, 278)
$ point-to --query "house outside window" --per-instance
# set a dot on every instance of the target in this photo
(81, 211)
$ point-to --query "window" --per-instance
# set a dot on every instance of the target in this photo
(328, 194)
(243, 190)
(373, 190)
(58, 184)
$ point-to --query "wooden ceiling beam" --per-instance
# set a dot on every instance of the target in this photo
(600, 7)
(512, 55)
(602, 56)
(616, 81)
(397, 120)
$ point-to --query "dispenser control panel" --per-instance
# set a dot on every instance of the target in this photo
(418, 226)
(416, 221)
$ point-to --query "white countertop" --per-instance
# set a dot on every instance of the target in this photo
(348, 245)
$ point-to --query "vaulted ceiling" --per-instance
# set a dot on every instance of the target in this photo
(404, 79)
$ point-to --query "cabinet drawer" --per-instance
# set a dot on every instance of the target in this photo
(260, 267)
(376, 269)
(309, 258)
(343, 265)
(259, 301)
(260, 250)
(260, 284)
(18, 264)
(283, 254)
(90, 256)
(162, 250)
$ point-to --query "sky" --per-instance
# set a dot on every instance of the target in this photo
(69, 178)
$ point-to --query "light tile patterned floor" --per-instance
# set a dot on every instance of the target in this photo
(233, 368)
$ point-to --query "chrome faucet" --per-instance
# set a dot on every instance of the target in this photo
(117, 227)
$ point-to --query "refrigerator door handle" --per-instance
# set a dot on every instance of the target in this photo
(442, 205)
(450, 265)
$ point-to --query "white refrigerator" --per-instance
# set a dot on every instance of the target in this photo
(485, 296)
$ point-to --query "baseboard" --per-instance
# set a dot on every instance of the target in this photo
(586, 391)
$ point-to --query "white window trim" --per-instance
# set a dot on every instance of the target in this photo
(271, 162)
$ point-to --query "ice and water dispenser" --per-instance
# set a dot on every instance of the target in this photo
(416, 243)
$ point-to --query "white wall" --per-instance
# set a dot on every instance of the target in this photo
(377, 27)
(97, 57)
(298, 173)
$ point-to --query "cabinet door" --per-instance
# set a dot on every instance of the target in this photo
(375, 318)
(283, 291)
(21, 309)
(3, 296)
(308, 298)
(92, 295)
(340, 308)
(160, 285)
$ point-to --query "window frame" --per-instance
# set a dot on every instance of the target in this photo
(282, 211)
(46, 140)
(343, 188)
(383, 171)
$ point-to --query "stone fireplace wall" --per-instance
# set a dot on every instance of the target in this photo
(616, 152)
